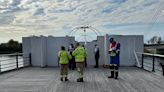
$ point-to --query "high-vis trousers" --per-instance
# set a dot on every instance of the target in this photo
(64, 70)
(80, 67)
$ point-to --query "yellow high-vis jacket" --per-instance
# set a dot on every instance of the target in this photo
(64, 57)
(80, 54)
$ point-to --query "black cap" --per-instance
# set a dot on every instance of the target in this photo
(111, 39)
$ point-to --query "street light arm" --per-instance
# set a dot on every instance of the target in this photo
(95, 30)
(84, 29)
(74, 31)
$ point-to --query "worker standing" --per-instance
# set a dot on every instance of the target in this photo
(85, 60)
(112, 53)
(80, 54)
(72, 64)
(97, 55)
(64, 58)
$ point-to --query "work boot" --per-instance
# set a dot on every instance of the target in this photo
(80, 80)
(61, 79)
(96, 66)
(112, 75)
(66, 79)
(116, 75)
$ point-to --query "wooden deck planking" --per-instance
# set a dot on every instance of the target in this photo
(33, 79)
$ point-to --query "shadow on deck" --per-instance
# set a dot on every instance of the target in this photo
(33, 79)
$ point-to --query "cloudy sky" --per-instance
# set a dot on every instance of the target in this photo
(19, 18)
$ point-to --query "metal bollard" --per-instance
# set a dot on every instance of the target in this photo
(142, 61)
(30, 62)
(17, 60)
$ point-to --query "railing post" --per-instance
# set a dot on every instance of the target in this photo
(30, 59)
(162, 65)
(17, 60)
(142, 61)
(153, 63)
(0, 66)
(163, 70)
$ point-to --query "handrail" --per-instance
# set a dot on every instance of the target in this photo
(14, 54)
(150, 54)
(154, 56)
(17, 61)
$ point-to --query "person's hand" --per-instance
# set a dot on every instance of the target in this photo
(109, 52)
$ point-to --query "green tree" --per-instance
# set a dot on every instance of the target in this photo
(13, 44)
(155, 40)
(10, 47)
(159, 41)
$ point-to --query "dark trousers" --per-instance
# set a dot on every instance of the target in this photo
(114, 70)
(96, 61)
(85, 61)
(72, 64)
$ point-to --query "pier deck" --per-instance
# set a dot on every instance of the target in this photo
(34, 79)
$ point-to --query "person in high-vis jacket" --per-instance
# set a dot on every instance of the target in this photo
(80, 54)
(64, 58)
(112, 53)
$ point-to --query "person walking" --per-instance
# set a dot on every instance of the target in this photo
(80, 54)
(64, 58)
(97, 55)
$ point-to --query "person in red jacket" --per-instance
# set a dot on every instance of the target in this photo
(112, 53)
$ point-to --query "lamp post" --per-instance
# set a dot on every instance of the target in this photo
(84, 29)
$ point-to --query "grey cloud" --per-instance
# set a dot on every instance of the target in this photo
(39, 11)
(10, 6)
(15, 2)
(55, 10)
(6, 18)
(60, 0)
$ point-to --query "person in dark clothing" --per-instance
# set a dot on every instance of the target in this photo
(85, 58)
(72, 64)
(117, 61)
(97, 55)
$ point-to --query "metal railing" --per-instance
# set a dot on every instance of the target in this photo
(9, 62)
(155, 62)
